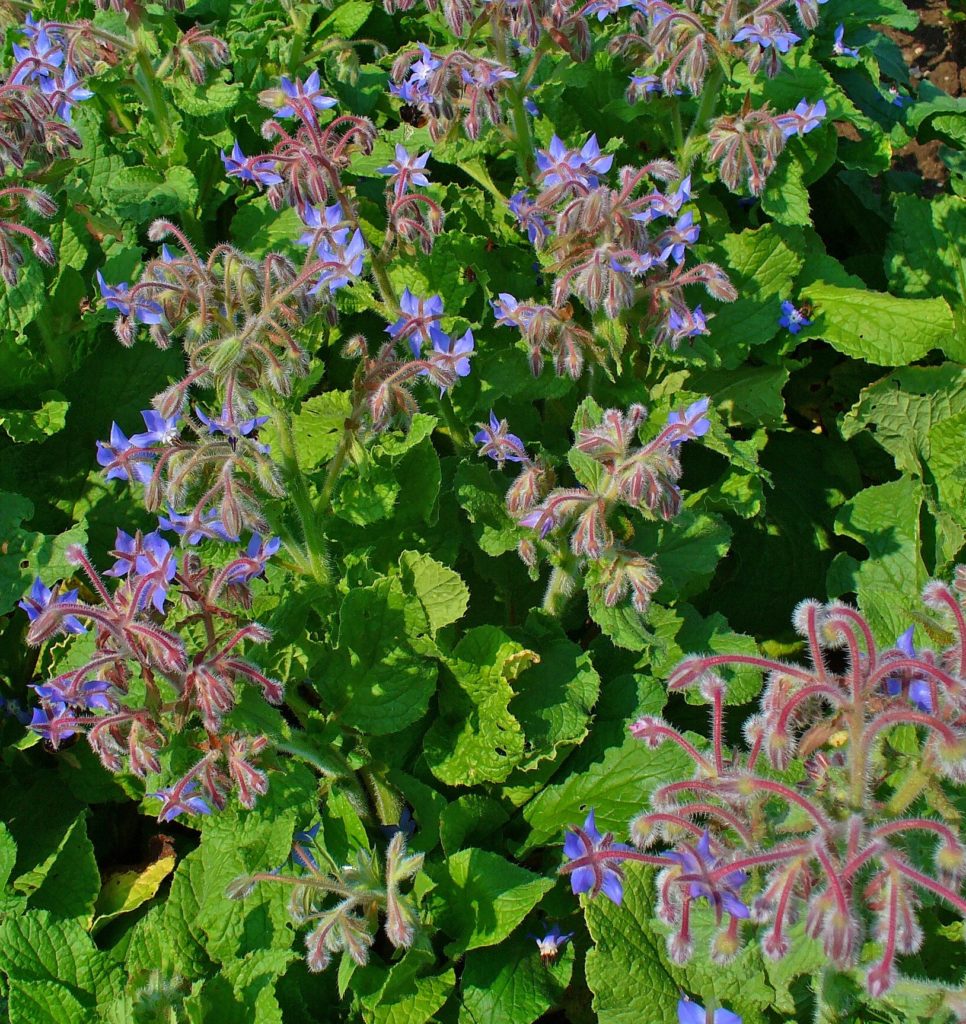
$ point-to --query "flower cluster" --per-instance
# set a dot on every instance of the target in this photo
(678, 47)
(363, 890)
(618, 475)
(746, 145)
(457, 86)
(844, 846)
(142, 684)
(610, 247)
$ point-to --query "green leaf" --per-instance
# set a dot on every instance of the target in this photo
(124, 891)
(8, 854)
(214, 97)
(476, 739)
(556, 695)
(877, 327)
(346, 19)
(947, 464)
(440, 591)
(610, 772)
(318, 427)
(902, 409)
(762, 265)
(67, 882)
(379, 683)
(36, 424)
(480, 898)
(511, 984)
(785, 197)
(632, 978)
(481, 493)
(624, 970)
(24, 553)
(886, 520)
(44, 1002)
(36, 948)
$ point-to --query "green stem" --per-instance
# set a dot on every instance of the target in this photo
(517, 92)
(706, 108)
(335, 468)
(315, 547)
(456, 431)
(147, 83)
(677, 129)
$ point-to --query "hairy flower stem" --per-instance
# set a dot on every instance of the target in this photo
(559, 589)
(315, 547)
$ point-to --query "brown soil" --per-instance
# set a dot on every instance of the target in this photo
(935, 51)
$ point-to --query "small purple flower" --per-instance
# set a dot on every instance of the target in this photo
(526, 212)
(551, 943)
(123, 459)
(303, 96)
(767, 32)
(684, 323)
(54, 723)
(258, 552)
(418, 319)
(919, 691)
(156, 566)
(41, 56)
(659, 205)
(486, 74)
(89, 695)
(227, 424)
(301, 843)
(125, 552)
(209, 526)
(40, 599)
(178, 799)
(405, 171)
(896, 98)
(558, 165)
(596, 875)
(839, 48)
(343, 261)
(161, 430)
(406, 825)
(792, 318)
(117, 297)
(456, 351)
(642, 86)
(509, 312)
(422, 70)
(321, 225)
(804, 118)
(684, 233)
(692, 423)
(694, 1013)
(64, 92)
(498, 443)
(258, 169)
(698, 862)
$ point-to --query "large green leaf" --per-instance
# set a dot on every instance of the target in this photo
(476, 738)
(510, 984)
(378, 682)
(885, 519)
(480, 898)
(877, 327)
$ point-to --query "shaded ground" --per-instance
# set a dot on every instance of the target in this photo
(936, 51)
